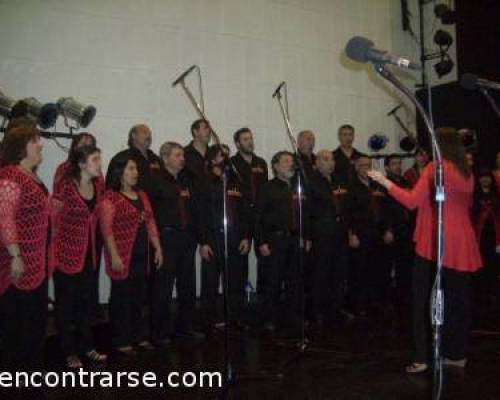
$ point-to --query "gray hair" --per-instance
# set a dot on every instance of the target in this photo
(167, 147)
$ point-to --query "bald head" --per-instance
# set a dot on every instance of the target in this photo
(306, 141)
(139, 137)
(325, 163)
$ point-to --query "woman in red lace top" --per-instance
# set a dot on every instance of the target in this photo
(80, 140)
(24, 224)
(461, 250)
(74, 252)
(128, 226)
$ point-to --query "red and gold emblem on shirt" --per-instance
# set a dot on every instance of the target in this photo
(234, 192)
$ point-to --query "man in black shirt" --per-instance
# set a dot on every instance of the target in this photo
(370, 235)
(402, 252)
(277, 237)
(251, 169)
(178, 218)
(305, 146)
(195, 154)
(212, 242)
(345, 154)
(253, 174)
(328, 204)
(139, 142)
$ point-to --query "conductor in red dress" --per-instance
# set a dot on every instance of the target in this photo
(461, 251)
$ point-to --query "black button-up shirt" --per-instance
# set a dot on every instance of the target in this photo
(196, 167)
(344, 168)
(402, 219)
(327, 198)
(253, 175)
(370, 212)
(213, 212)
(308, 164)
(173, 202)
(277, 210)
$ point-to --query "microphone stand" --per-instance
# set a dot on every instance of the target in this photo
(303, 344)
(437, 299)
(492, 102)
(230, 377)
(409, 134)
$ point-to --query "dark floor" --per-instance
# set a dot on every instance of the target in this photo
(361, 360)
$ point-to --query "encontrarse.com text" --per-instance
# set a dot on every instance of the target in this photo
(104, 379)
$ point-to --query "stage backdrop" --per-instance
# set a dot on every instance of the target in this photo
(122, 56)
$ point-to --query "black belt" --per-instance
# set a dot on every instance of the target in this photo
(172, 228)
(282, 233)
(337, 219)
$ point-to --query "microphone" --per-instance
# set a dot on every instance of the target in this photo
(395, 109)
(362, 50)
(183, 76)
(278, 89)
(472, 82)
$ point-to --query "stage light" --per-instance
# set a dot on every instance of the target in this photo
(76, 111)
(443, 38)
(377, 142)
(407, 144)
(445, 14)
(444, 66)
(6, 105)
(45, 115)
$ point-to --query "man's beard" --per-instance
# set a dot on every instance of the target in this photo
(246, 151)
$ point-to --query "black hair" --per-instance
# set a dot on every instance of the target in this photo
(277, 158)
(238, 133)
(77, 139)
(116, 172)
(197, 124)
(346, 126)
(391, 157)
(77, 156)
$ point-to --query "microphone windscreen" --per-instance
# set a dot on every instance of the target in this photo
(357, 48)
(469, 81)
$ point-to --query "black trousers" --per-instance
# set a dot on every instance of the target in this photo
(370, 275)
(457, 311)
(282, 281)
(329, 273)
(25, 316)
(486, 279)
(213, 270)
(179, 268)
(74, 305)
(403, 258)
(126, 305)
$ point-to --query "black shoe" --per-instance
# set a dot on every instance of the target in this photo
(270, 326)
(143, 347)
(191, 334)
(241, 326)
(162, 343)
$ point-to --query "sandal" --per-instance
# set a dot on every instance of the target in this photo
(145, 345)
(416, 368)
(95, 356)
(125, 350)
(73, 362)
